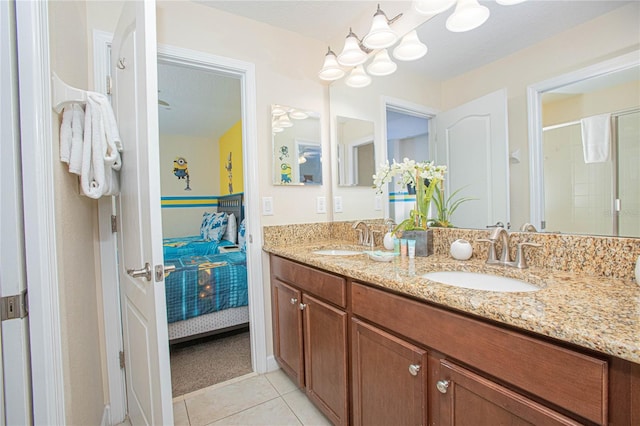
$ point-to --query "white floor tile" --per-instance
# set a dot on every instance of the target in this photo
(304, 410)
(180, 416)
(281, 382)
(222, 402)
(270, 413)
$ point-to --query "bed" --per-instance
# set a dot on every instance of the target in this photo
(208, 294)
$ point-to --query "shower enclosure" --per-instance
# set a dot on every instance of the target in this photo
(597, 198)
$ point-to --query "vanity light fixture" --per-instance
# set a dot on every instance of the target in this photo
(296, 114)
(278, 110)
(469, 14)
(353, 53)
(331, 70)
(509, 2)
(382, 65)
(410, 48)
(381, 36)
(358, 78)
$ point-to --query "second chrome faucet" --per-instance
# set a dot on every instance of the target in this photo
(499, 233)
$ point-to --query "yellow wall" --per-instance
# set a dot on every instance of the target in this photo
(231, 143)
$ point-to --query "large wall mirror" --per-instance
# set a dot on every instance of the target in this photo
(585, 150)
(297, 152)
(554, 53)
(355, 152)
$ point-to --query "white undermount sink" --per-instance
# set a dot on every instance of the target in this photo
(479, 281)
(336, 252)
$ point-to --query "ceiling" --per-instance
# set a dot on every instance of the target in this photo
(201, 102)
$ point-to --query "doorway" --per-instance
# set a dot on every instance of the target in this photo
(407, 137)
(201, 171)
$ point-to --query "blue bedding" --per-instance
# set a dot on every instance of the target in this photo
(175, 248)
(204, 284)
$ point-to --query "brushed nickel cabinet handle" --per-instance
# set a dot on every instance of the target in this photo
(442, 386)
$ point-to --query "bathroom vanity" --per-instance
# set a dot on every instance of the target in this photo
(374, 343)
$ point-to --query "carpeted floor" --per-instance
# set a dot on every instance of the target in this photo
(203, 363)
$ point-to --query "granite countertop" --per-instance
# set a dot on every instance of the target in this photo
(598, 313)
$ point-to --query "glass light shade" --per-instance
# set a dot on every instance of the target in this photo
(509, 2)
(331, 69)
(276, 129)
(429, 7)
(358, 78)
(469, 14)
(410, 48)
(277, 110)
(382, 64)
(380, 36)
(296, 114)
(283, 121)
(352, 55)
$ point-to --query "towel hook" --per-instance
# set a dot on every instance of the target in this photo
(122, 63)
(63, 94)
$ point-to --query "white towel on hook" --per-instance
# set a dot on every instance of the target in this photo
(71, 131)
(101, 149)
(77, 135)
(596, 138)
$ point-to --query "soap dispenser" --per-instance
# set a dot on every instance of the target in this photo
(387, 241)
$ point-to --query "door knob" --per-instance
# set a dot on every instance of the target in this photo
(442, 386)
(141, 273)
(414, 369)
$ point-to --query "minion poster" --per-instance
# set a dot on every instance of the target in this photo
(181, 170)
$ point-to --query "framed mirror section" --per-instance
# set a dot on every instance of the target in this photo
(584, 129)
(297, 150)
(355, 151)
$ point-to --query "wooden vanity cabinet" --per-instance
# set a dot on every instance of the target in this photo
(389, 378)
(487, 370)
(310, 333)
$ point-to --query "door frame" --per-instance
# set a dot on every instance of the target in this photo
(32, 24)
(244, 71)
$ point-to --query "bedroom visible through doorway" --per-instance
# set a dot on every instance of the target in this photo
(202, 181)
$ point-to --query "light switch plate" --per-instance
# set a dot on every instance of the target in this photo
(337, 204)
(377, 203)
(267, 206)
(321, 204)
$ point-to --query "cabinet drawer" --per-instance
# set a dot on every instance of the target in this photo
(568, 379)
(329, 287)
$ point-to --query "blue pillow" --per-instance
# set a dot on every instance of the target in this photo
(242, 242)
(213, 226)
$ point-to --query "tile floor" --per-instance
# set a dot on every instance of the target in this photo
(269, 399)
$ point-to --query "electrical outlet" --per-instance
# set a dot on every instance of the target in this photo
(337, 204)
(267, 206)
(321, 205)
(377, 203)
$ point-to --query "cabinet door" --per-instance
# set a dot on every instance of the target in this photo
(287, 329)
(466, 398)
(389, 378)
(325, 349)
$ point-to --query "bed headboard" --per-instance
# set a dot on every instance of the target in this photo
(232, 204)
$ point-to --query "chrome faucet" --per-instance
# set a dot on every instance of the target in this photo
(527, 227)
(364, 233)
(505, 258)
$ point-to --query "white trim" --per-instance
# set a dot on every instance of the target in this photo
(39, 222)
(106, 417)
(534, 103)
(116, 386)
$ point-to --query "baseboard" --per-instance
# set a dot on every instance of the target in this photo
(272, 365)
(106, 416)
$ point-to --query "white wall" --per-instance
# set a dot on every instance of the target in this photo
(76, 229)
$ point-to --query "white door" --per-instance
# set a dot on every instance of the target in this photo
(146, 343)
(472, 141)
(15, 378)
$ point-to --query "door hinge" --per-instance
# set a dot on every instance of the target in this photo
(114, 223)
(543, 224)
(122, 359)
(109, 84)
(12, 307)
